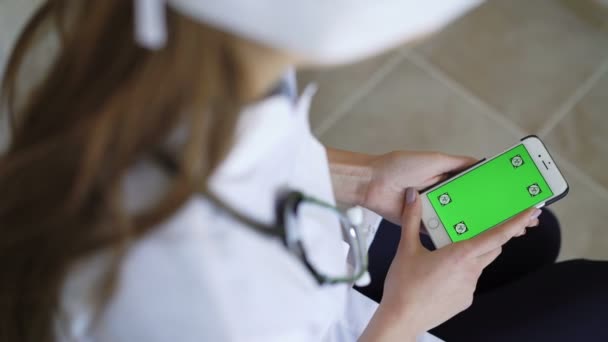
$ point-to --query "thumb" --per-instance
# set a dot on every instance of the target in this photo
(410, 219)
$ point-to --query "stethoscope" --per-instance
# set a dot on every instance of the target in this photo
(286, 228)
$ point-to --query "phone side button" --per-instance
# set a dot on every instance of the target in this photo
(433, 223)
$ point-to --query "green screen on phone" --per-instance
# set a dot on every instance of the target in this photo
(489, 194)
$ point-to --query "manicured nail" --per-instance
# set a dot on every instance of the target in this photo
(535, 214)
(410, 195)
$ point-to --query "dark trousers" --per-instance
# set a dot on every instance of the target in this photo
(523, 296)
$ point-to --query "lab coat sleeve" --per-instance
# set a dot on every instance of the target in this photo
(370, 225)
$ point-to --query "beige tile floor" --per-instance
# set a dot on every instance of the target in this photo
(506, 70)
(13, 14)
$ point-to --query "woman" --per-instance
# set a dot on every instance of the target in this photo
(168, 188)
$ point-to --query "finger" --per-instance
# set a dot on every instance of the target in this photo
(411, 219)
(488, 258)
(534, 223)
(522, 233)
(449, 163)
(445, 166)
(432, 181)
(498, 236)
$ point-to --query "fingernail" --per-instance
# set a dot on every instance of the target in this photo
(535, 214)
(410, 195)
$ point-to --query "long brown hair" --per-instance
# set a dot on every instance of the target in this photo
(103, 104)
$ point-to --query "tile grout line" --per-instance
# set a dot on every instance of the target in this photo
(495, 115)
(573, 100)
(366, 87)
(596, 187)
(488, 111)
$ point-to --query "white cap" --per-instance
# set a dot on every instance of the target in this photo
(321, 31)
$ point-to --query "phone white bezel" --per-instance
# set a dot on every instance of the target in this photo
(544, 162)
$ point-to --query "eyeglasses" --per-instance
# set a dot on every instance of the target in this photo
(296, 213)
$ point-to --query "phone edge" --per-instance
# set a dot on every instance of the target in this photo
(567, 190)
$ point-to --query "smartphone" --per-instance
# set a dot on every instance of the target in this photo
(491, 192)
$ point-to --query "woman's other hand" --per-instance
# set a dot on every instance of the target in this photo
(424, 289)
(393, 172)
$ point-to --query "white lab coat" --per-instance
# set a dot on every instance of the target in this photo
(203, 276)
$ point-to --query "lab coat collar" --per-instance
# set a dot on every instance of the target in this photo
(267, 138)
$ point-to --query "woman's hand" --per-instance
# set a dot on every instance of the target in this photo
(424, 289)
(378, 182)
(393, 172)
